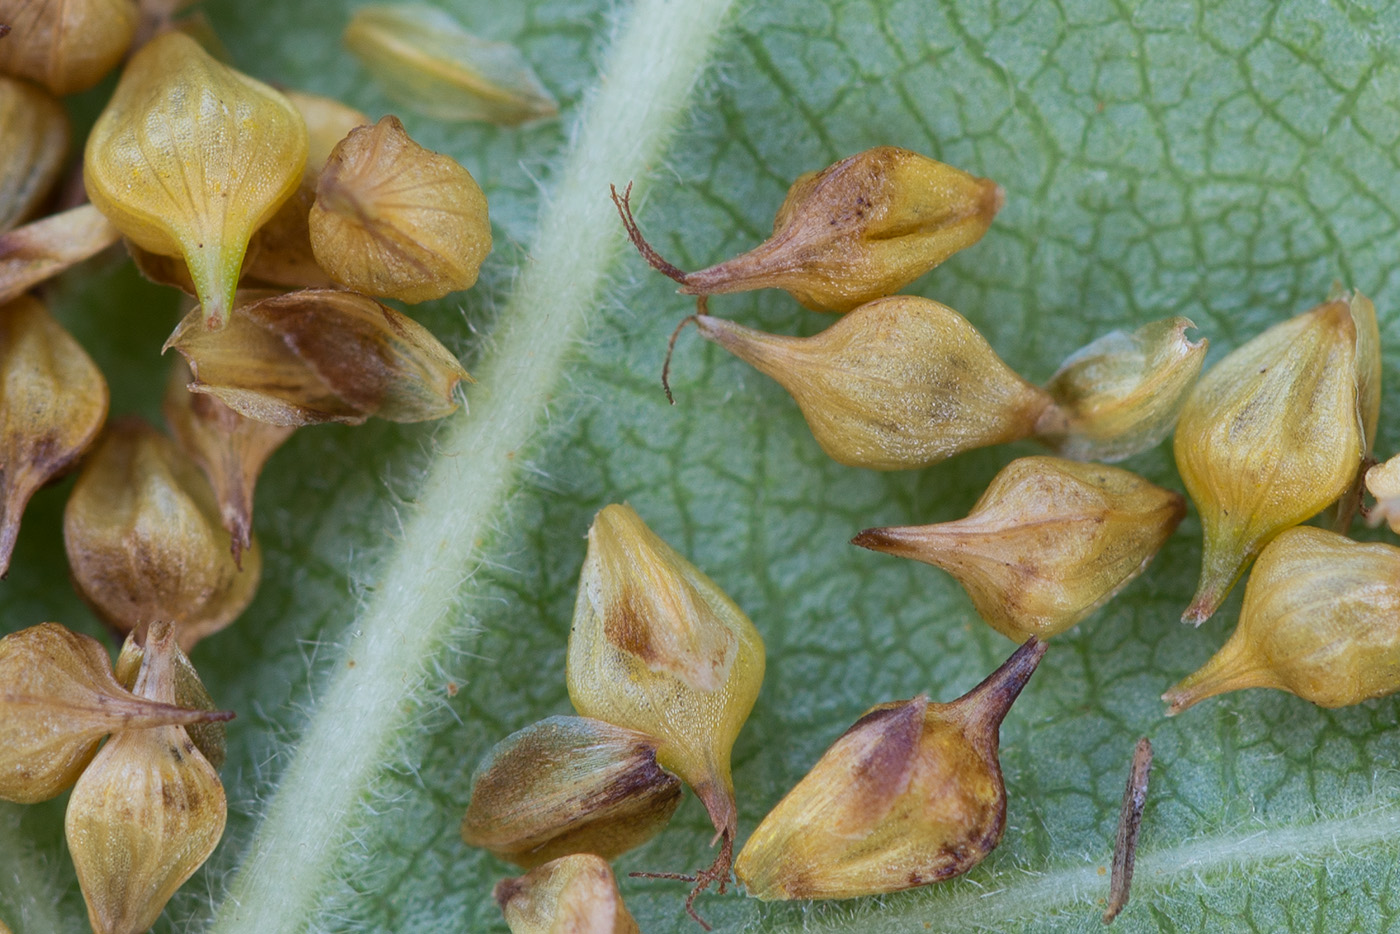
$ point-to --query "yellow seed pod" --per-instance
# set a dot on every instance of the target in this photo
(58, 698)
(146, 813)
(1383, 482)
(66, 46)
(210, 738)
(190, 157)
(44, 248)
(1049, 542)
(145, 542)
(571, 895)
(33, 145)
(430, 64)
(1275, 433)
(911, 794)
(1318, 621)
(657, 647)
(899, 383)
(569, 785)
(396, 220)
(856, 231)
(1122, 393)
(53, 401)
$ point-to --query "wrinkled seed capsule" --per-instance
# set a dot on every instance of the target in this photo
(33, 144)
(571, 895)
(209, 738)
(66, 46)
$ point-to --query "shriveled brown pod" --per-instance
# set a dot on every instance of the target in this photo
(33, 145)
(210, 738)
(44, 248)
(66, 45)
(320, 355)
(145, 541)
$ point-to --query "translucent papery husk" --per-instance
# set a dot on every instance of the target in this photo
(911, 794)
(318, 356)
(896, 384)
(190, 157)
(230, 448)
(58, 698)
(1318, 620)
(66, 46)
(53, 402)
(1048, 543)
(33, 145)
(41, 250)
(145, 541)
(430, 64)
(571, 895)
(569, 785)
(1383, 482)
(1275, 433)
(1122, 393)
(145, 814)
(210, 738)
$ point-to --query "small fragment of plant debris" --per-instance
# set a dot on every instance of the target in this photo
(1383, 482)
(571, 895)
(320, 355)
(145, 541)
(1048, 543)
(911, 794)
(1129, 825)
(178, 113)
(69, 46)
(396, 220)
(658, 647)
(53, 402)
(210, 738)
(1276, 432)
(430, 64)
(569, 785)
(858, 230)
(44, 248)
(33, 145)
(146, 813)
(58, 698)
(1318, 621)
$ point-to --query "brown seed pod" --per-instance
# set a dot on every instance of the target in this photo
(911, 794)
(53, 401)
(571, 895)
(33, 145)
(66, 46)
(209, 738)
(43, 249)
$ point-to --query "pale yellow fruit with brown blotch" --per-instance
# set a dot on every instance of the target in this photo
(571, 895)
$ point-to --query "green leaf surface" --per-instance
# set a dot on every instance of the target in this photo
(1224, 161)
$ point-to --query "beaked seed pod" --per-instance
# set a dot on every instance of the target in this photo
(856, 231)
(571, 895)
(1276, 432)
(898, 383)
(320, 355)
(58, 698)
(145, 541)
(53, 401)
(911, 794)
(1049, 542)
(33, 144)
(190, 157)
(1318, 620)
(209, 738)
(66, 46)
(569, 785)
(146, 813)
(1122, 393)
(43, 249)
(396, 220)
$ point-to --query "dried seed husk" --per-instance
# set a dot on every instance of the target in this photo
(53, 401)
(1049, 542)
(1318, 620)
(211, 738)
(571, 895)
(1383, 482)
(145, 541)
(569, 785)
(430, 64)
(44, 248)
(1122, 393)
(911, 794)
(320, 355)
(190, 157)
(396, 220)
(66, 46)
(1276, 432)
(898, 383)
(146, 813)
(58, 698)
(230, 448)
(33, 145)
